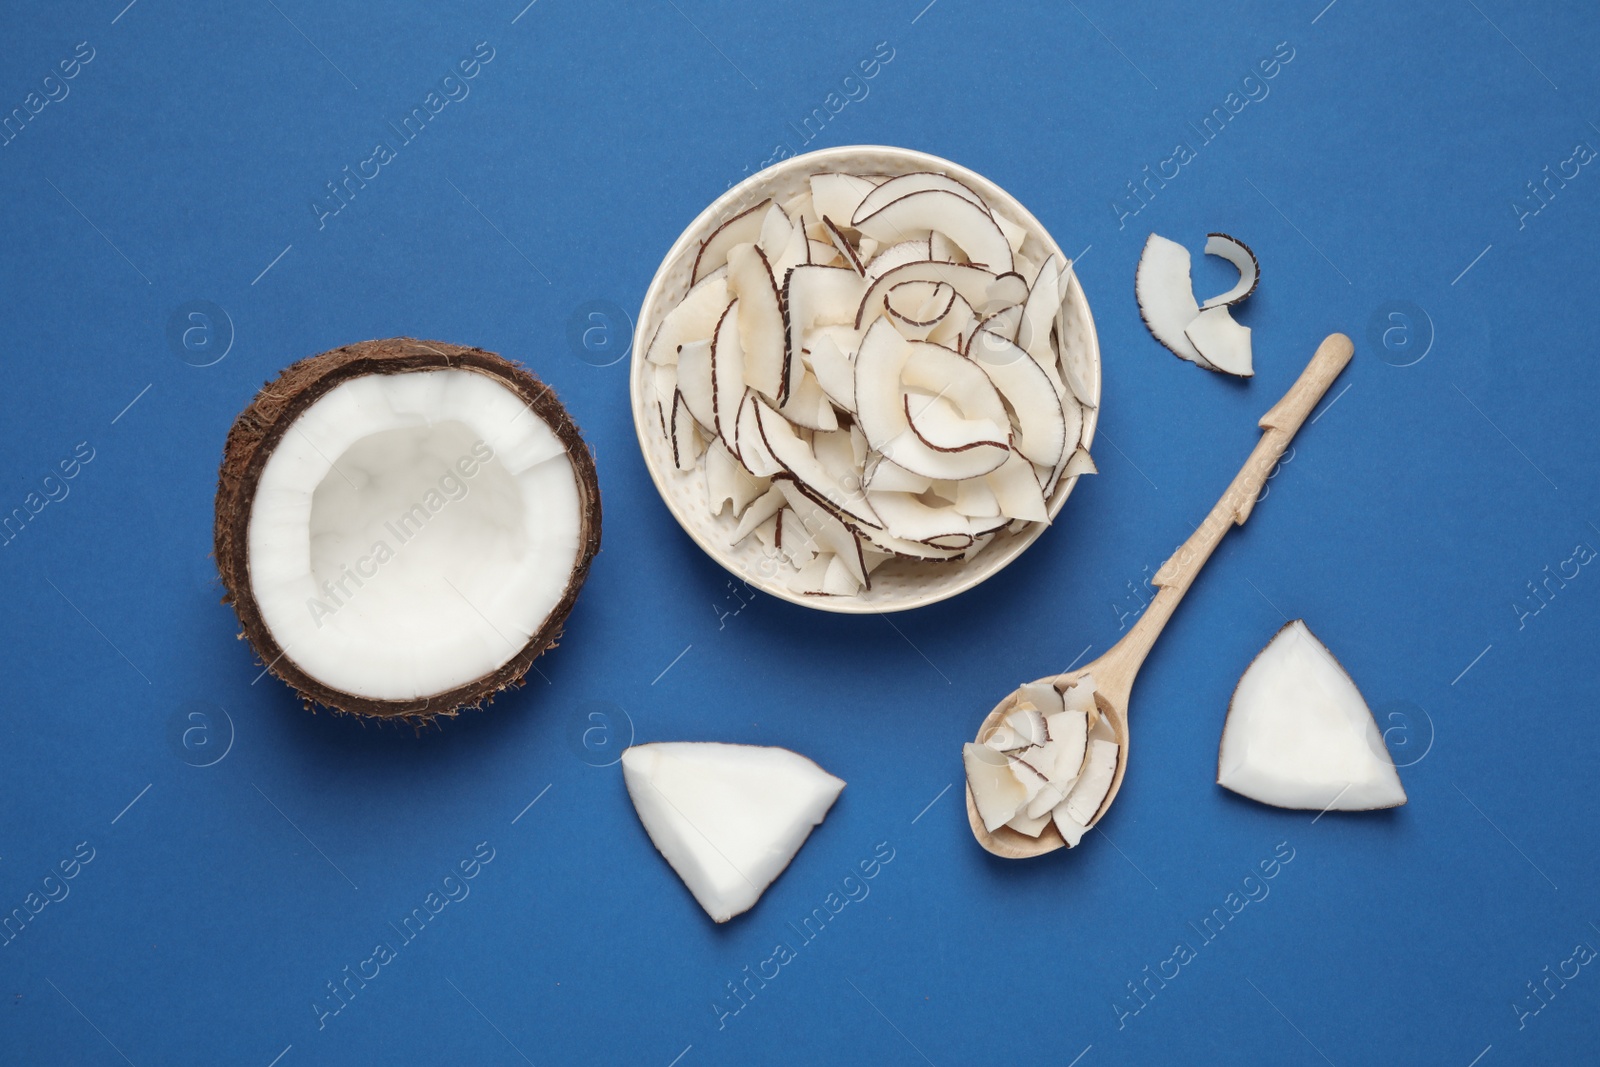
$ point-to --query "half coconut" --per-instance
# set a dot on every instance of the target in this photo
(403, 526)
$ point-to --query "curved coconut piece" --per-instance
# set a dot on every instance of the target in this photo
(898, 255)
(691, 320)
(826, 530)
(687, 446)
(727, 818)
(1221, 342)
(915, 182)
(880, 412)
(939, 424)
(800, 461)
(952, 330)
(752, 447)
(428, 434)
(694, 379)
(1041, 418)
(1239, 254)
(981, 288)
(1299, 735)
(833, 368)
(842, 243)
(743, 228)
(838, 195)
(727, 377)
(729, 482)
(958, 218)
(907, 517)
(939, 371)
(761, 333)
(1166, 296)
(808, 406)
(816, 296)
(1075, 368)
(1017, 491)
(918, 307)
(887, 477)
(1038, 318)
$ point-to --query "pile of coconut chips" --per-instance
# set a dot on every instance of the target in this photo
(872, 370)
(1052, 759)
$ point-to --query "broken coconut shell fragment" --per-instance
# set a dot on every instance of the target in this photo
(403, 526)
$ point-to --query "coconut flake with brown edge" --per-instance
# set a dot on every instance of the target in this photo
(403, 526)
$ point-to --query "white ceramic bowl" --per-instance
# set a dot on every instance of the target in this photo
(898, 584)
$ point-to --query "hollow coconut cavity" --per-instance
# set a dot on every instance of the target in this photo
(403, 526)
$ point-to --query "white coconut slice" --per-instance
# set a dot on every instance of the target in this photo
(834, 370)
(1041, 417)
(799, 205)
(881, 412)
(1221, 342)
(728, 483)
(917, 308)
(776, 230)
(1079, 463)
(941, 426)
(976, 500)
(1016, 234)
(1029, 723)
(898, 255)
(808, 406)
(907, 516)
(1299, 734)
(693, 319)
(1043, 696)
(727, 818)
(743, 228)
(838, 195)
(799, 460)
(727, 377)
(695, 381)
(1094, 782)
(939, 371)
(982, 289)
(823, 254)
(1076, 370)
(761, 510)
(1023, 823)
(839, 579)
(1017, 491)
(965, 223)
(752, 447)
(1080, 696)
(846, 250)
(1166, 296)
(760, 319)
(1038, 318)
(952, 330)
(816, 296)
(915, 182)
(997, 791)
(812, 573)
(1060, 760)
(888, 477)
(1238, 253)
(1070, 829)
(687, 446)
(824, 529)
(1003, 738)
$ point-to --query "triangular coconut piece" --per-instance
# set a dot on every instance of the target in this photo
(728, 818)
(1299, 734)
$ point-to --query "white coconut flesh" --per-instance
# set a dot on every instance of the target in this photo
(411, 532)
(828, 343)
(1051, 759)
(727, 818)
(1205, 334)
(1299, 734)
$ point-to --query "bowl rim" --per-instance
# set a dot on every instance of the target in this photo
(730, 203)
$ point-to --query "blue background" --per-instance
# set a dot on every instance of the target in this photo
(1381, 167)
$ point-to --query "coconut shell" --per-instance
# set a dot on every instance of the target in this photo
(261, 426)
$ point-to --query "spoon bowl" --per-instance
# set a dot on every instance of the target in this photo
(1115, 671)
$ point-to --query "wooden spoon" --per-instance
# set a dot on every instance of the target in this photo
(1114, 672)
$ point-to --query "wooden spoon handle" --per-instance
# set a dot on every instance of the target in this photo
(1280, 423)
